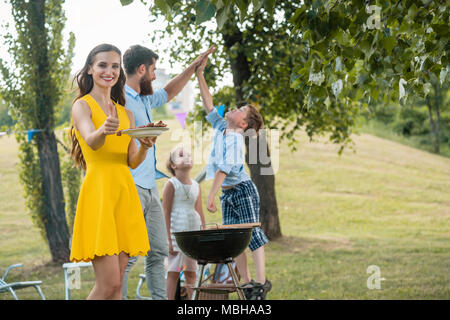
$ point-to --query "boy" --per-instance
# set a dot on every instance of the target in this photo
(240, 198)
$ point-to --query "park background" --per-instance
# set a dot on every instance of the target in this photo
(383, 200)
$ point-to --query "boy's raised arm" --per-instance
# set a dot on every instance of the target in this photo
(204, 91)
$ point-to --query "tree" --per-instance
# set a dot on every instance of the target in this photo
(359, 51)
(260, 53)
(5, 119)
(435, 101)
(32, 85)
(245, 50)
(402, 47)
(340, 56)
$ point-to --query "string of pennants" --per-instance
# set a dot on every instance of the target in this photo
(30, 133)
(181, 117)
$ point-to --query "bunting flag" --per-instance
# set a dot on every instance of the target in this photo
(220, 110)
(31, 133)
(181, 117)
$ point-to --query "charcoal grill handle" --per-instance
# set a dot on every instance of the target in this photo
(203, 226)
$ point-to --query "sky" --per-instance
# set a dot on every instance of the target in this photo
(104, 21)
(107, 21)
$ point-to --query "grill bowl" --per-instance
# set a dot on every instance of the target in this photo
(213, 246)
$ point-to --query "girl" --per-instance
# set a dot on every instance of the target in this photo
(182, 204)
(109, 223)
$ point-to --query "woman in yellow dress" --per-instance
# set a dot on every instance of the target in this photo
(109, 223)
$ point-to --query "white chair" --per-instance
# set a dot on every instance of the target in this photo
(10, 287)
(67, 267)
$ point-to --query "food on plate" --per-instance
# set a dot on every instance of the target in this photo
(151, 124)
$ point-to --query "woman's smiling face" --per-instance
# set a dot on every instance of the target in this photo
(105, 69)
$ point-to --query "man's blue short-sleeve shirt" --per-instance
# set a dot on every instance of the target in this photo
(146, 174)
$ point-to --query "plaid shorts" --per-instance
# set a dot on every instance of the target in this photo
(241, 205)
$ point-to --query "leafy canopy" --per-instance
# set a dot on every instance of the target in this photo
(339, 56)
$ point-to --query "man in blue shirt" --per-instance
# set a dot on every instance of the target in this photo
(140, 65)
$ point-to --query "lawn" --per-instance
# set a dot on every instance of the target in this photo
(383, 204)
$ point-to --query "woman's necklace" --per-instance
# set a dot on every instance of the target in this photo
(187, 192)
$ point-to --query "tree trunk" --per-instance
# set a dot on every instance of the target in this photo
(437, 148)
(432, 125)
(265, 183)
(239, 68)
(437, 102)
(55, 220)
(264, 178)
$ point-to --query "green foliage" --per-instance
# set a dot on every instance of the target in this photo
(5, 119)
(31, 97)
(412, 121)
(71, 178)
(63, 110)
(205, 10)
(19, 81)
(30, 177)
(271, 52)
(345, 55)
(404, 46)
(381, 112)
(126, 2)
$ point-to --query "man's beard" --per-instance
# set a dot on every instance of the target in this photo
(146, 86)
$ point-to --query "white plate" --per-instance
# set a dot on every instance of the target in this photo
(145, 132)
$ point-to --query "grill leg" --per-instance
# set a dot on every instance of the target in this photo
(239, 290)
(199, 282)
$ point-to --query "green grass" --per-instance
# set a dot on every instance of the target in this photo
(382, 130)
(384, 204)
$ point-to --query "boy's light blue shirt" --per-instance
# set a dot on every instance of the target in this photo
(227, 152)
(146, 174)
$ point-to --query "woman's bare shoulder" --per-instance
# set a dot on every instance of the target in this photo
(81, 105)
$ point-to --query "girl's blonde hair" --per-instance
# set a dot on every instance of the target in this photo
(170, 161)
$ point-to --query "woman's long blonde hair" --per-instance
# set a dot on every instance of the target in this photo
(85, 85)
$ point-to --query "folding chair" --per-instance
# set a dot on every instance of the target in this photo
(142, 278)
(68, 267)
(10, 287)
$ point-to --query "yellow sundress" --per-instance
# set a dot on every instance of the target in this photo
(109, 217)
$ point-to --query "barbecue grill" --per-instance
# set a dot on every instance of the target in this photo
(220, 244)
